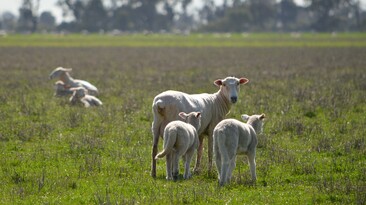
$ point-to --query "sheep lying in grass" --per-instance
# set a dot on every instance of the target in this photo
(69, 82)
(214, 108)
(180, 139)
(232, 137)
(61, 90)
(81, 95)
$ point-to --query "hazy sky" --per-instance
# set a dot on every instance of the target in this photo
(49, 5)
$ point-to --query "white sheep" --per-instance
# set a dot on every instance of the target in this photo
(213, 107)
(180, 139)
(81, 95)
(61, 89)
(69, 82)
(232, 137)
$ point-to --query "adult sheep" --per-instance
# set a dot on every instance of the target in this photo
(214, 107)
(69, 82)
(232, 137)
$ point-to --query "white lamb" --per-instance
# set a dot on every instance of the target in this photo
(180, 139)
(232, 137)
(61, 89)
(81, 95)
(69, 82)
(213, 107)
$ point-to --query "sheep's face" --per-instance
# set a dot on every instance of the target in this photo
(256, 121)
(193, 118)
(58, 72)
(230, 87)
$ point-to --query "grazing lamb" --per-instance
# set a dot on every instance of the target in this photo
(61, 90)
(180, 139)
(213, 107)
(69, 82)
(81, 95)
(232, 137)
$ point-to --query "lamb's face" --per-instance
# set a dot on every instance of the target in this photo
(230, 87)
(193, 118)
(256, 121)
(58, 72)
(79, 92)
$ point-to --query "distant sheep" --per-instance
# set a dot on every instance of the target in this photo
(63, 74)
(180, 139)
(232, 137)
(213, 107)
(81, 95)
(61, 90)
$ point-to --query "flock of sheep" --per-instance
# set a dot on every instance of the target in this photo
(81, 91)
(183, 120)
(203, 114)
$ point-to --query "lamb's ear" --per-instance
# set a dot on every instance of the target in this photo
(218, 82)
(73, 89)
(182, 115)
(198, 114)
(243, 81)
(245, 117)
(67, 69)
(262, 116)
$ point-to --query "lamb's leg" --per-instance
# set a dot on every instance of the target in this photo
(251, 159)
(224, 172)
(231, 168)
(175, 161)
(218, 160)
(169, 166)
(188, 159)
(199, 155)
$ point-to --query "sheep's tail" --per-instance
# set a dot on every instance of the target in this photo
(170, 137)
(220, 141)
(159, 107)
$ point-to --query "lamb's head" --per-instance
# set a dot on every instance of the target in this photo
(229, 87)
(193, 118)
(256, 121)
(59, 72)
(79, 92)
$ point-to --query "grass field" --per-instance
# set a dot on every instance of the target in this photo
(312, 150)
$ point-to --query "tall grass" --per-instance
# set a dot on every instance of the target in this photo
(312, 150)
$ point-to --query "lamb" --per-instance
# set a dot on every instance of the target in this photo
(61, 90)
(232, 137)
(69, 82)
(81, 95)
(213, 107)
(180, 139)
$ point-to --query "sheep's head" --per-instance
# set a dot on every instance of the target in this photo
(58, 72)
(193, 118)
(79, 92)
(256, 121)
(229, 87)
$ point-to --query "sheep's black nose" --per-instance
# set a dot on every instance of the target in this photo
(234, 99)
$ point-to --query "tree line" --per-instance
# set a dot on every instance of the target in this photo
(188, 15)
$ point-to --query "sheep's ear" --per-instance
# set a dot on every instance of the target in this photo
(243, 81)
(218, 82)
(245, 117)
(262, 116)
(67, 69)
(183, 115)
(198, 114)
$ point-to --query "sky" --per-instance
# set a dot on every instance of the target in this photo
(50, 5)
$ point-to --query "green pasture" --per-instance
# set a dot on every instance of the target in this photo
(193, 40)
(312, 150)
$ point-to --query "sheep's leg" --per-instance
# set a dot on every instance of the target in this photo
(210, 150)
(251, 159)
(155, 130)
(199, 155)
(169, 166)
